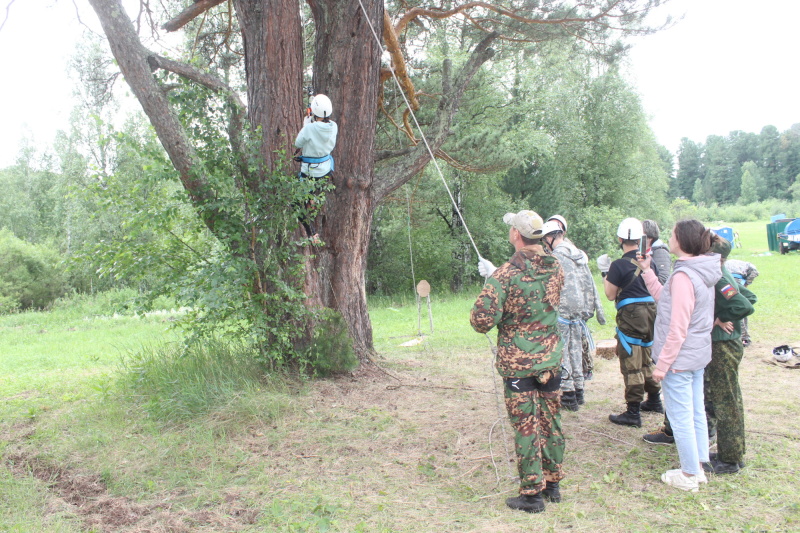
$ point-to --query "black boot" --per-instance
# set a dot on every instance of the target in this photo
(579, 396)
(569, 401)
(631, 417)
(551, 492)
(653, 404)
(529, 504)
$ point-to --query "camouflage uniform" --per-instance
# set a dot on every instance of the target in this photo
(724, 408)
(745, 273)
(521, 299)
(579, 301)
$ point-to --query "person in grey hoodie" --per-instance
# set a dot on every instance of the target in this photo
(682, 344)
(579, 301)
(657, 249)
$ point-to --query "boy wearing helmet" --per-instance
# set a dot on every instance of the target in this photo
(579, 302)
(315, 142)
(636, 313)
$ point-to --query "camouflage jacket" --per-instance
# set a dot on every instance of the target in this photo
(732, 303)
(579, 297)
(743, 271)
(521, 299)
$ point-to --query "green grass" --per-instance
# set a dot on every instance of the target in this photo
(417, 445)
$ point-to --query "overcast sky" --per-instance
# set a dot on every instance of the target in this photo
(728, 65)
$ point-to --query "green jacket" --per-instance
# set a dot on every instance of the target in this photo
(521, 299)
(732, 303)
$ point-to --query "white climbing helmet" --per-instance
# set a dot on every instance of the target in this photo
(550, 227)
(630, 229)
(321, 106)
(560, 219)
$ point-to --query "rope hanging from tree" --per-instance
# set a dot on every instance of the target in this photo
(460, 216)
(421, 133)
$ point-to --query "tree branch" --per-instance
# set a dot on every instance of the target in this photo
(389, 178)
(190, 13)
(132, 58)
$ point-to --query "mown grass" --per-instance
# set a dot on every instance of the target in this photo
(421, 445)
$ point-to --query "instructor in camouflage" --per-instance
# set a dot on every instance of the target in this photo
(521, 298)
(724, 406)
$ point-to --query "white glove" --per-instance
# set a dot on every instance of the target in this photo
(307, 120)
(485, 267)
(603, 263)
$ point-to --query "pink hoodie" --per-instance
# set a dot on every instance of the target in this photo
(682, 307)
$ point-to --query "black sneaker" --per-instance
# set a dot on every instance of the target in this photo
(659, 436)
(551, 492)
(528, 503)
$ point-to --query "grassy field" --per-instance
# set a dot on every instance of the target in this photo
(418, 443)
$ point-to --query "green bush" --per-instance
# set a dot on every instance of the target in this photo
(331, 349)
(594, 230)
(30, 275)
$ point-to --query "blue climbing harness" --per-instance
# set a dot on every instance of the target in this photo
(317, 160)
(626, 340)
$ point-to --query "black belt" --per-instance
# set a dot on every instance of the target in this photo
(532, 383)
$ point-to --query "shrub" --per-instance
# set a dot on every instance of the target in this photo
(594, 230)
(331, 349)
(30, 275)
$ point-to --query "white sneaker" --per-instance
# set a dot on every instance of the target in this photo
(701, 477)
(677, 479)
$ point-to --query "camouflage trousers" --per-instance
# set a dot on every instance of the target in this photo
(637, 321)
(745, 334)
(588, 357)
(536, 418)
(572, 356)
(724, 407)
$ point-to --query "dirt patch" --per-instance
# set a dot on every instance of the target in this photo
(86, 495)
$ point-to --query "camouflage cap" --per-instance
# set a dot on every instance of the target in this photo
(721, 246)
(528, 223)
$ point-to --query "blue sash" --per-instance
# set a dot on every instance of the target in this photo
(583, 326)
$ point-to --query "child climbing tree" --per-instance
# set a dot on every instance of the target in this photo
(267, 36)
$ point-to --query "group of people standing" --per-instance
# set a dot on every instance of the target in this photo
(678, 330)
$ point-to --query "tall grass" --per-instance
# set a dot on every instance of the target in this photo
(177, 382)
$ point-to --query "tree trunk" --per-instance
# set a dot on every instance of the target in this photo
(347, 69)
(273, 51)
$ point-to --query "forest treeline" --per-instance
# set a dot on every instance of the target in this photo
(559, 132)
(739, 168)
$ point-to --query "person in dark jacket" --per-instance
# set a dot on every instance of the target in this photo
(658, 250)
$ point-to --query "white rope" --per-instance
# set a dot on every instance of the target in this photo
(421, 133)
(466, 228)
